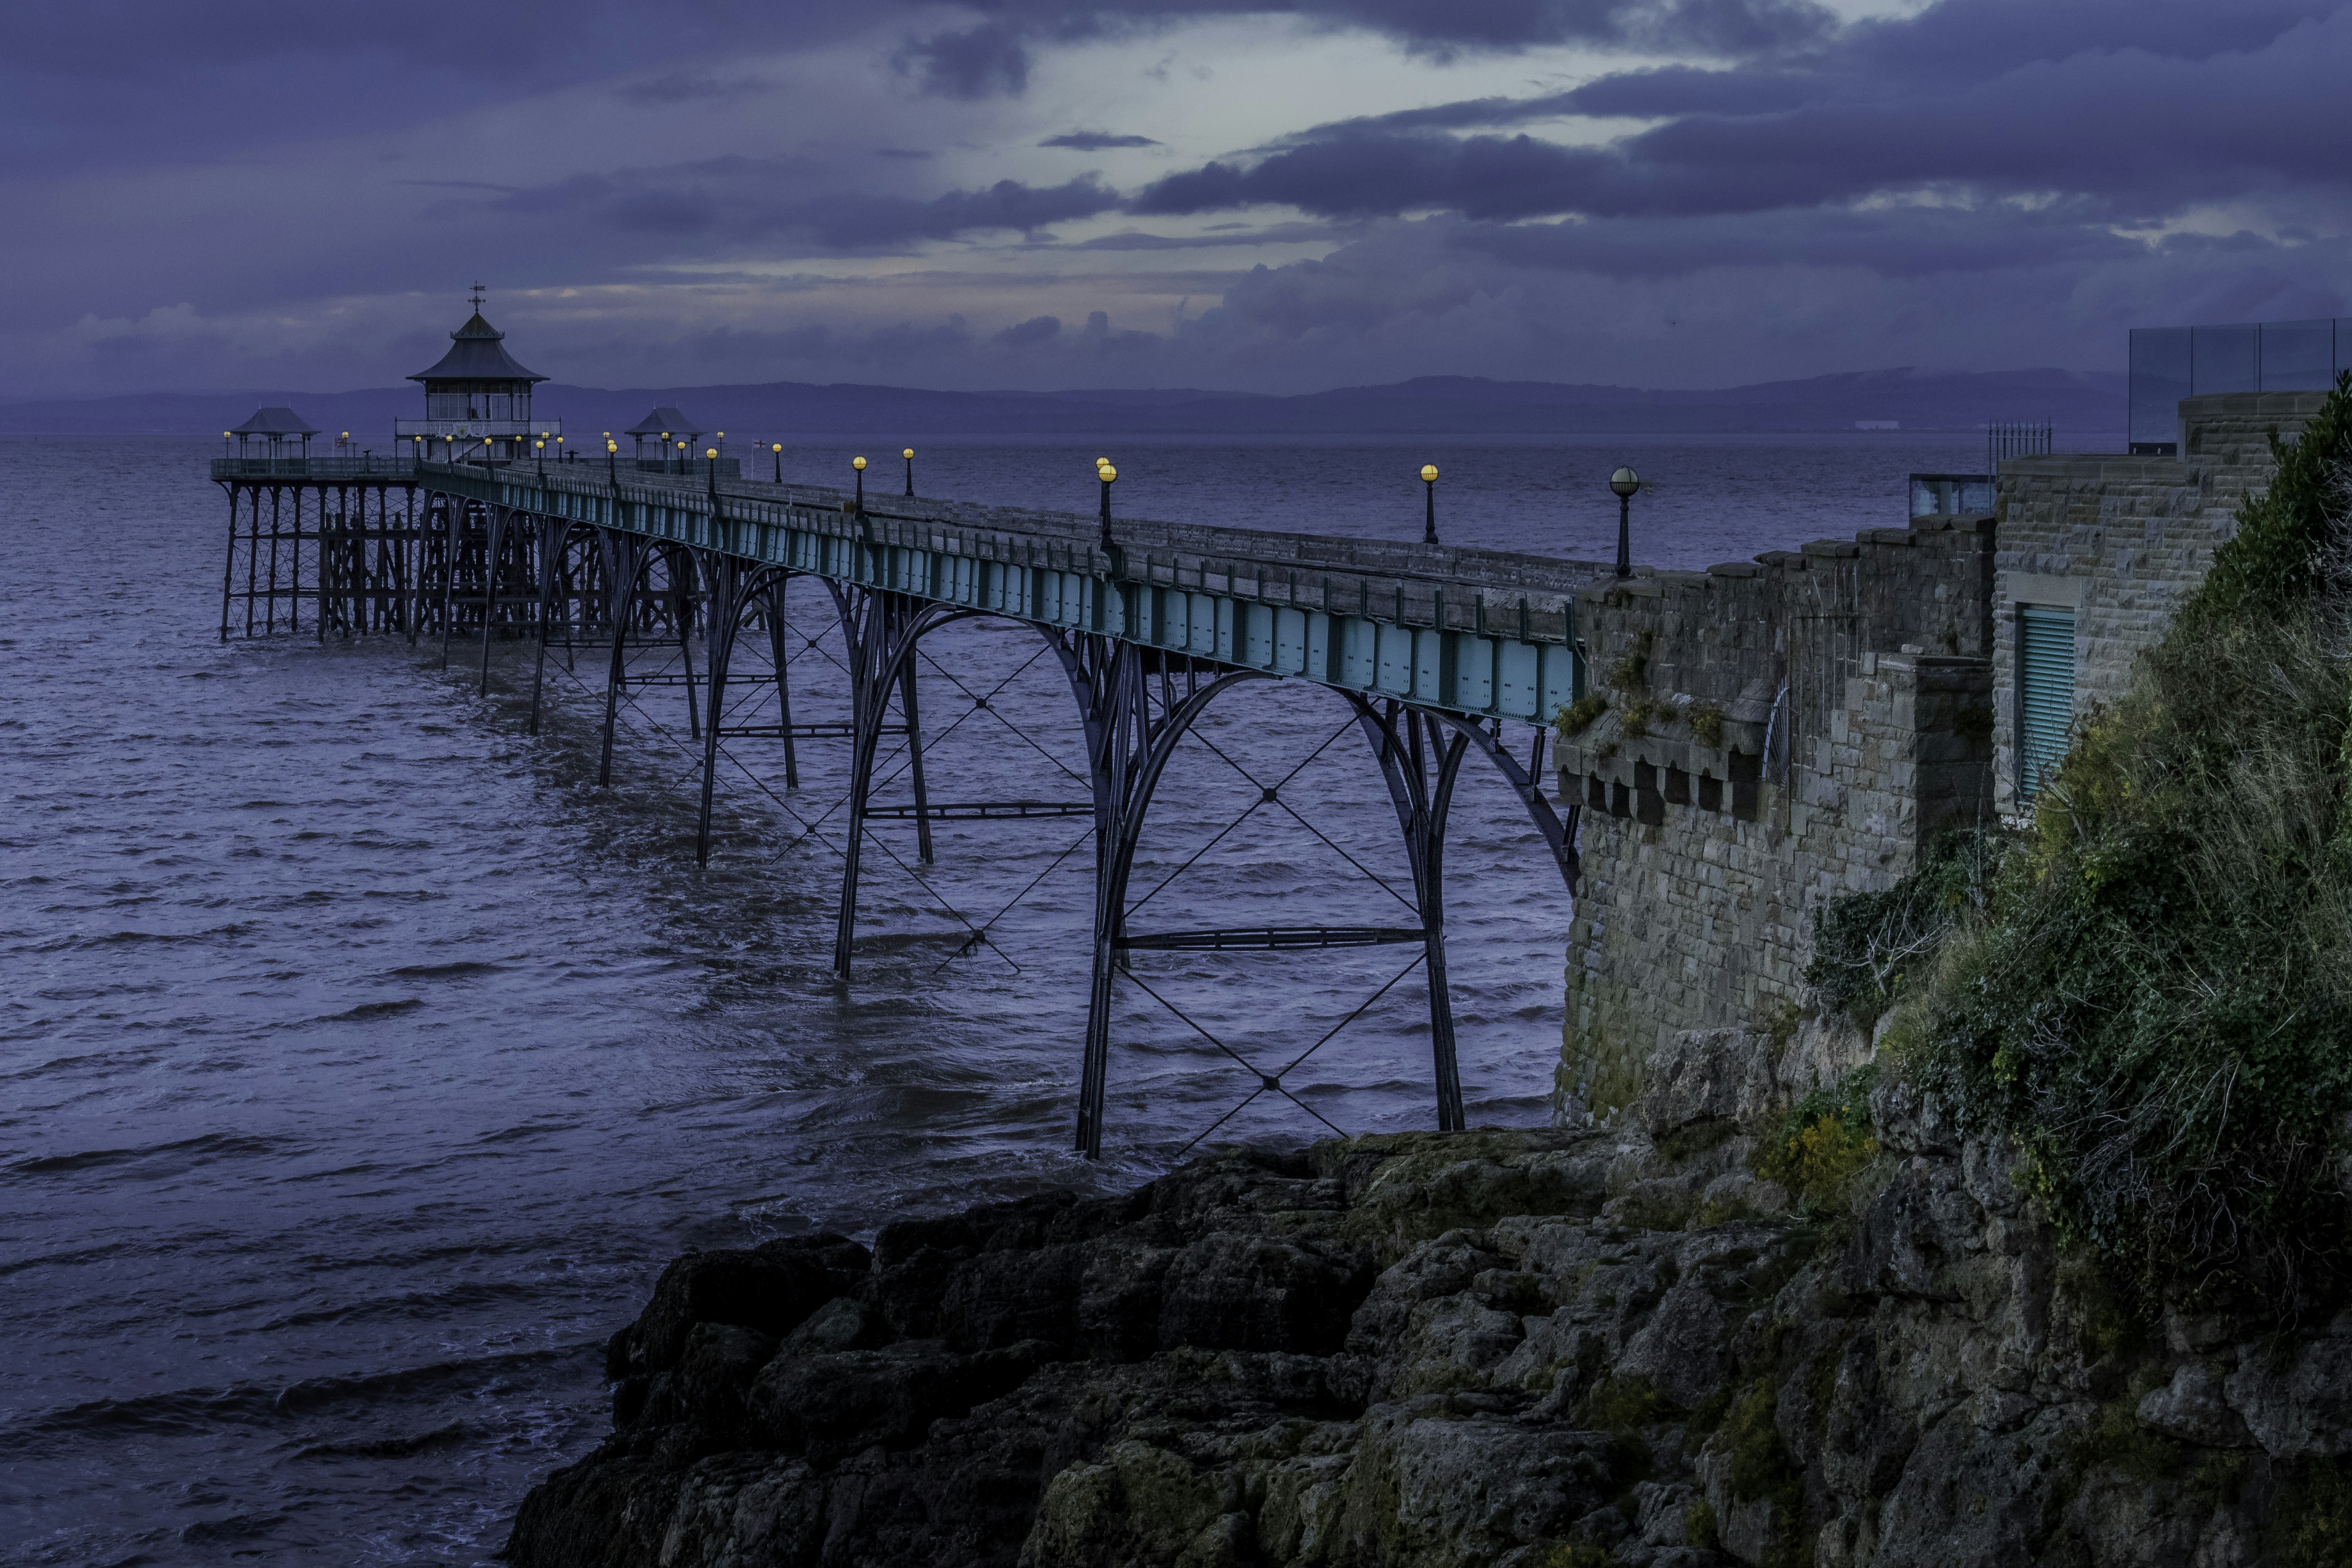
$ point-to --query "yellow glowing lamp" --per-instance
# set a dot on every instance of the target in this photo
(1107, 473)
(723, 435)
(226, 434)
(541, 445)
(1429, 473)
(711, 451)
(777, 447)
(611, 446)
(857, 463)
(909, 454)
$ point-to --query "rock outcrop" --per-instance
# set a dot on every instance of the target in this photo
(1544, 1349)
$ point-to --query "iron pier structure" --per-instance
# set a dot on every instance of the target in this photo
(680, 581)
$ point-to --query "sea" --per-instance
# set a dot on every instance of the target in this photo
(364, 1061)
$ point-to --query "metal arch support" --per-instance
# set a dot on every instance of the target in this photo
(1420, 762)
(879, 628)
(772, 591)
(1526, 781)
(1127, 751)
(625, 555)
(555, 537)
(731, 589)
(493, 545)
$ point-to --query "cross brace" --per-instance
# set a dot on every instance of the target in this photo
(1226, 938)
(772, 730)
(983, 810)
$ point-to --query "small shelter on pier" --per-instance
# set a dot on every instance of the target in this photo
(666, 426)
(279, 428)
(478, 398)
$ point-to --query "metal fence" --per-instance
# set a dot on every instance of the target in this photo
(299, 468)
(2014, 438)
(2168, 364)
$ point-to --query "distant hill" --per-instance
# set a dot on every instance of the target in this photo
(1428, 405)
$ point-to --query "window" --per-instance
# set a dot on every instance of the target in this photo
(2045, 693)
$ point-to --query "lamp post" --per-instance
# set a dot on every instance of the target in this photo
(1108, 476)
(540, 449)
(681, 455)
(1624, 483)
(225, 435)
(1429, 518)
(778, 448)
(710, 459)
(910, 455)
(859, 464)
(612, 461)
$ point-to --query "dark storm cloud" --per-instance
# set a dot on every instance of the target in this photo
(1231, 235)
(1095, 141)
(994, 57)
(976, 63)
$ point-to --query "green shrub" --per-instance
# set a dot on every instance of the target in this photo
(1700, 1529)
(1576, 717)
(2310, 1526)
(1866, 945)
(1706, 725)
(1631, 670)
(1824, 1143)
(2154, 1002)
(1624, 1403)
(1576, 1555)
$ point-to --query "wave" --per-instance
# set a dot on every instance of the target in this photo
(367, 1010)
(445, 971)
(207, 1409)
(209, 1146)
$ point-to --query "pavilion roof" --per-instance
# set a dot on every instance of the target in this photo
(477, 353)
(275, 420)
(662, 421)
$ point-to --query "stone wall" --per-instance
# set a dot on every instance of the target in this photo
(1777, 732)
(2121, 541)
(1781, 731)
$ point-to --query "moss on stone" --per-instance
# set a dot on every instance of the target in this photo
(1624, 1403)
(2310, 1523)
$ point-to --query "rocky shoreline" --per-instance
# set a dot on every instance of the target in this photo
(1528, 1349)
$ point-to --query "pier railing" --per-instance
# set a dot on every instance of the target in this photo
(1487, 633)
(374, 466)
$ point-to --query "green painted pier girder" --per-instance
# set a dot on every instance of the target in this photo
(1484, 634)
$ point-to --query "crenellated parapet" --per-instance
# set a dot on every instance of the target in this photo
(1754, 738)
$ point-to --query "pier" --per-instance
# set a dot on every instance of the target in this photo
(681, 580)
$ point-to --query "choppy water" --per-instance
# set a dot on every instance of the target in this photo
(364, 1061)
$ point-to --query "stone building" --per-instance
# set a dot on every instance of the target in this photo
(1781, 731)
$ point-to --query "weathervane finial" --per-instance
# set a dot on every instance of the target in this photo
(478, 297)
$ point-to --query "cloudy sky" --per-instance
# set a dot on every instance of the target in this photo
(1157, 192)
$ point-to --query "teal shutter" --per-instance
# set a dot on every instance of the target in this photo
(2045, 693)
